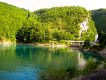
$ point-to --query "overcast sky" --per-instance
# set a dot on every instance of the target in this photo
(38, 4)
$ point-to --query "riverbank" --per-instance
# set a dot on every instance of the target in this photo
(95, 75)
(100, 72)
(56, 44)
(6, 43)
(59, 45)
(101, 52)
(53, 45)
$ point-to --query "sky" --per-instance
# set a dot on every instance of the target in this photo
(39, 4)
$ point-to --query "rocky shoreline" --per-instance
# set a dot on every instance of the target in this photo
(58, 45)
(103, 52)
(95, 75)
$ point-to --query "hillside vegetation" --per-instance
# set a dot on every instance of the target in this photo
(99, 17)
(63, 22)
(58, 23)
(12, 19)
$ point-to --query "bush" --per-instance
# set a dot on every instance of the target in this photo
(97, 47)
(32, 34)
(86, 44)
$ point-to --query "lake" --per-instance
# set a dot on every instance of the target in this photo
(25, 62)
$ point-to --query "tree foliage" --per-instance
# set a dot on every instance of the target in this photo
(99, 17)
(58, 23)
(63, 22)
(12, 19)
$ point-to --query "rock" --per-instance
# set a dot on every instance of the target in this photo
(97, 75)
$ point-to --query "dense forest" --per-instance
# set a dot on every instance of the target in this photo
(99, 17)
(12, 19)
(58, 23)
(63, 22)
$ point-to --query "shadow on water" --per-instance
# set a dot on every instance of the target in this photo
(88, 54)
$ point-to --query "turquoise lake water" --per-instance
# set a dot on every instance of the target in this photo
(25, 62)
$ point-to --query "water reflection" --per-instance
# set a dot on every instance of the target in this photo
(81, 61)
(24, 62)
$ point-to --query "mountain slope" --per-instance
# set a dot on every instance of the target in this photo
(68, 20)
(11, 19)
(99, 17)
(58, 23)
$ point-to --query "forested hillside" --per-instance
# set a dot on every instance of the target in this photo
(12, 19)
(63, 22)
(59, 23)
(99, 17)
